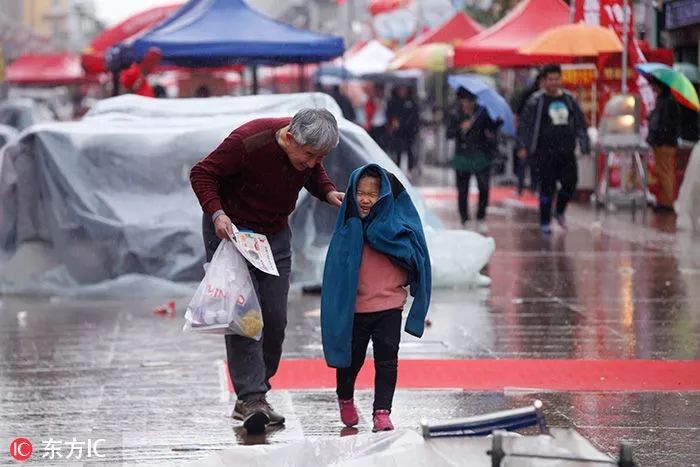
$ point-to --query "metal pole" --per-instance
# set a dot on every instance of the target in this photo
(3, 71)
(254, 78)
(626, 458)
(652, 30)
(302, 81)
(496, 452)
(115, 82)
(625, 44)
(572, 11)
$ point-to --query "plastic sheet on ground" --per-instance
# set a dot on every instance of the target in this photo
(109, 196)
(408, 448)
(687, 205)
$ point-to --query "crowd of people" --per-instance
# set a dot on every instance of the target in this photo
(393, 121)
(378, 250)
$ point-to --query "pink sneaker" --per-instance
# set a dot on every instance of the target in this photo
(382, 421)
(348, 412)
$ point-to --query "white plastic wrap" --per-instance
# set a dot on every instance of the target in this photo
(110, 198)
(225, 301)
(457, 256)
(688, 203)
(408, 448)
(7, 133)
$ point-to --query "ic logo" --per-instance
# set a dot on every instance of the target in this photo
(21, 449)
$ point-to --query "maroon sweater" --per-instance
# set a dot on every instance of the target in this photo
(250, 177)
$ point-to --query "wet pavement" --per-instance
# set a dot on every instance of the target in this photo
(608, 289)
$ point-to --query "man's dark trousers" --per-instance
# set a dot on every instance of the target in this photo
(252, 363)
(555, 168)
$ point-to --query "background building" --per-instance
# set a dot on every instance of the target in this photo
(41, 26)
(682, 25)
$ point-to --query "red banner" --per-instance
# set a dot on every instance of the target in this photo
(611, 14)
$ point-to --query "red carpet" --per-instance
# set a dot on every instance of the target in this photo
(497, 195)
(495, 375)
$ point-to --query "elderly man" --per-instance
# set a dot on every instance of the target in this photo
(252, 179)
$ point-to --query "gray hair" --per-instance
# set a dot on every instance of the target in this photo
(316, 128)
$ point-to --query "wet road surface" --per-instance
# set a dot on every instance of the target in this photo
(605, 290)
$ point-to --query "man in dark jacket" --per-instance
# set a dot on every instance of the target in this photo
(664, 127)
(253, 179)
(344, 103)
(518, 102)
(475, 136)
(403, 121)
(551, 123)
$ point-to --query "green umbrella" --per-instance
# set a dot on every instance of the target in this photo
(681, 88)
(689, 70)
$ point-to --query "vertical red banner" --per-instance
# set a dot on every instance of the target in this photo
(611, 14)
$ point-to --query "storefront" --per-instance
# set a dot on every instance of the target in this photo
(682, 25)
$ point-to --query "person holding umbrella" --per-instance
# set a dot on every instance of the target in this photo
(664, 129)
(672, 89)
(474, 132)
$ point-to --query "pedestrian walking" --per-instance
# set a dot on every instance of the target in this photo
(664, 130)
(377, 249)
(403, 120)
(474, 132)
(252, 179)
(343, 102)
(520, 98)
(134, 79)
(550, 125)
(375, 112)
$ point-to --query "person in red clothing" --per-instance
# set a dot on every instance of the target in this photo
(135, 78)
(252, 179)
(135, 81)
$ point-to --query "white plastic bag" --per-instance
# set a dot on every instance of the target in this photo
(225, 301)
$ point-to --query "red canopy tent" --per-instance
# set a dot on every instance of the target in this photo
(659, 55)
(45, 70)
(93, 59)
(499, 44)
(455, 30)
(376, 7)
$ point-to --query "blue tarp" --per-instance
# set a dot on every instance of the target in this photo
(212, 33)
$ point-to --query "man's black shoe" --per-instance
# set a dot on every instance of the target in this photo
(254, 414)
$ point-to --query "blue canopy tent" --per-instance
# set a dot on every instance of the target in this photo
(214, 33)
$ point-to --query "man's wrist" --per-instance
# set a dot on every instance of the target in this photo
(217, 213)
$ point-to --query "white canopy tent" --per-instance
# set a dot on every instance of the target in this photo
(373, 58)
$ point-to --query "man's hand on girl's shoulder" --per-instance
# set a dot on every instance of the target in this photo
(335, 198)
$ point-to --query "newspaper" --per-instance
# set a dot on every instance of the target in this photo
(256, 249)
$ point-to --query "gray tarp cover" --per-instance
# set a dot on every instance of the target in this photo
(6, 134)
(104, 207)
